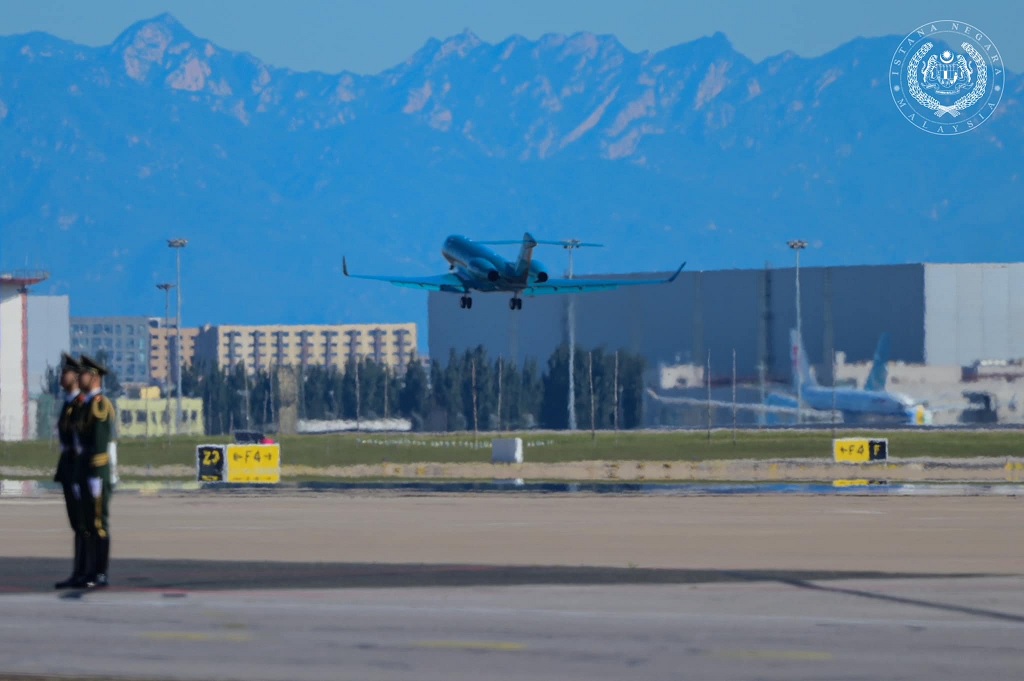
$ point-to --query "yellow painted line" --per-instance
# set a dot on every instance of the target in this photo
(787, 655)
(503, 646)
(850, 483)
(194, 636)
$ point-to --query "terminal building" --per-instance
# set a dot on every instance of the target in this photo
(949, 315)
(260, 347)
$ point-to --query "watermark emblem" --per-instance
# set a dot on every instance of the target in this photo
(946, 77)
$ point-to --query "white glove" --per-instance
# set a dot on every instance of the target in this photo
(75, 491)
(96, 487)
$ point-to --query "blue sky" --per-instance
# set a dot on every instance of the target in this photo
(368, 36)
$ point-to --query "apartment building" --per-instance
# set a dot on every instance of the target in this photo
(262, 347)
(123, 340)
(161, 351)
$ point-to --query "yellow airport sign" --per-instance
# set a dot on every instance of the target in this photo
(859, 450)
(254, 463)
(239, 463)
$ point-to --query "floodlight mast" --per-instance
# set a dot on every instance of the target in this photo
(178, 245)
(166, 288)
(571, 245)
(798, 245)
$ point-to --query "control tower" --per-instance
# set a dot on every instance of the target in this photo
(15, 418)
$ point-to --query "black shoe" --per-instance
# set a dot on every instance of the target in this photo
(69, 583)
(97, 582)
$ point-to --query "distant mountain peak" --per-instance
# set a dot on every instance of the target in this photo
(709, 47)
(166, 24)
(459, 45)
(148, 42)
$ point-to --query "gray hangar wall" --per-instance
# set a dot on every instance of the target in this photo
(974, 312)
(750, 311)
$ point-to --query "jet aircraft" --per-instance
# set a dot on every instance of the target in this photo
(475, 267)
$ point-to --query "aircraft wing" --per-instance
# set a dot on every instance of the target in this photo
(806, 412)
(448, 283)
(557, 286)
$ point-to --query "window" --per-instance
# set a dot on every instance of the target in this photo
(126, 417)
(97, 329)
(130, 330)
(140, 415)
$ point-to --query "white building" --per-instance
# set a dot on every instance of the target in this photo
(49, 334)
(16, 418)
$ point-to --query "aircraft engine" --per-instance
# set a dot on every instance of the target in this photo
(538, 271)
(483, 268)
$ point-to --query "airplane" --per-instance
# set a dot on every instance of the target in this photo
(871, 404)
(475, 267)
(879, 375)
(855, 405)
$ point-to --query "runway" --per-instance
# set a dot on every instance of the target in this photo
(577, 587)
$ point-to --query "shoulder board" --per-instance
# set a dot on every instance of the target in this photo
(101, 408)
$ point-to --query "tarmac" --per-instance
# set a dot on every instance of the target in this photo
(356, 584)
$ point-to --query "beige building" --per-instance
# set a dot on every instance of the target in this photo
(161, 350)
(261, 347)
(150, 416)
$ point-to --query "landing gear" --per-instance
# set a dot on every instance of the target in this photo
(515, 304)
(466, 302)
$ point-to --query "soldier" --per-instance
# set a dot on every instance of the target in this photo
(92, 472)
(65, 475)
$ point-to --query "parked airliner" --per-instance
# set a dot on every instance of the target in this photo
(872, 404)
(475, 267)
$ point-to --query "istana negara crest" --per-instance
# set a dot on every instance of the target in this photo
(946, 77)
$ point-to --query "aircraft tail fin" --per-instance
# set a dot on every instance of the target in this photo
(879, 367)
(525, 256)
(802, 375)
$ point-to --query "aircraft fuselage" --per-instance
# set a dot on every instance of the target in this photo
(482, 269)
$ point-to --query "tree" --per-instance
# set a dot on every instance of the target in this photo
(448, 392)
(413, 398)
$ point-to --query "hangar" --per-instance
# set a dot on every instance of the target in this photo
(936, 314)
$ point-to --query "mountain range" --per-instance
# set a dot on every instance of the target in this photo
(691, 153)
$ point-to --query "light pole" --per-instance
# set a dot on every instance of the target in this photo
(571, 245)
(166, 288)
(177, 245)
(798, 245)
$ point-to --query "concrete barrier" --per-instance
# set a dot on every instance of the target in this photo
(507, 450)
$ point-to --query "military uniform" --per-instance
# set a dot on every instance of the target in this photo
(92, 474)
(65, 474)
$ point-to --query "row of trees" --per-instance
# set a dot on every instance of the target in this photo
(470, 392)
